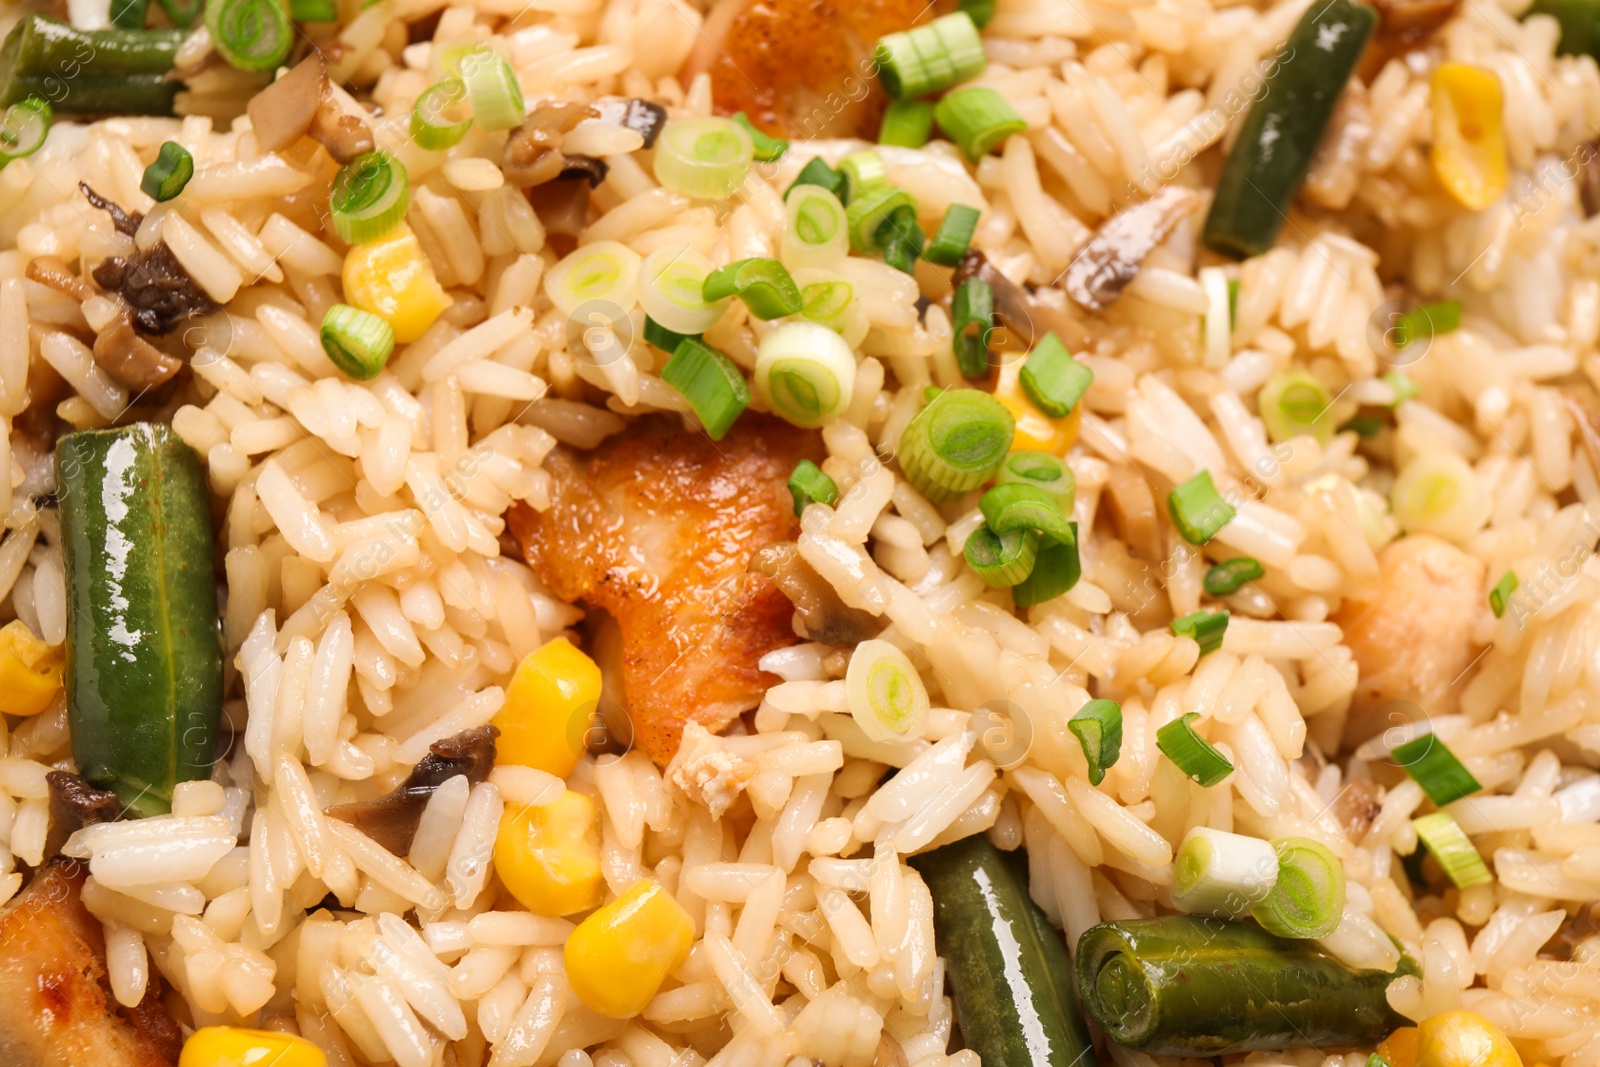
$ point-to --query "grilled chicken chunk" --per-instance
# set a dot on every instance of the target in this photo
(801, 68)
(56, 1008)
(656, 528)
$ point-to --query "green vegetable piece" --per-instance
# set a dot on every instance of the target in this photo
(663, 338)
(1098, 728)
(1307, 901)
(979, 11)
(1404, 388)
(1500, 595)
(1580, 25)
(171, 171)
(129, 14)
(1206, 627)
(1429, 320)
(711, 382)
(144, 654)
(253, 35)
(1198, 510)
(906, 123)
(954, 235)
(358, 342)
(1194, 755)
(1225, 579)
(120, 71)
(1002, 560)
(1184, 985)
(764, 285)
(1056, 569)
(1364, 424)
(971, 324)
(314, 10)
(1436, 769)
(977, 119)
(1053, 380)
(808, 485)
(817, 172)
(1013, 994)
(1018, 506)
(955, 443)
(768, 148)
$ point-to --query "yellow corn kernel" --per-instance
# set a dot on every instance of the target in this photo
(391, 278)
(30, 671)
(235, 1046)
(618, 957)
(1469, 143)
(548, 856)
(1035, 429)
(1463, 1039)
(548, 707)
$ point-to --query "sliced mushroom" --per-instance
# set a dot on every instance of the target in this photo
(344, 135)
(563, 207)
(130, 359)
(126, 224)
(532, 154)
(74, 804)
(641, 116)
(1589, 177)
(160, 293)
(823, 616)
(391, 820)
(281, 113)
(1019, 311)
(1118, 249)
(49, 270)
(1356, 808)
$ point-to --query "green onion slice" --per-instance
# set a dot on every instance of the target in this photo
(251, 35)
(1002, 560)
(1295, 403)
(182, 12)
(370, 197)
(1206, 627)
(1222, 874)
(887, 699)
(906, 123)
(926, 59)
(806, 373)
(1308, 900)
(765, 286)
(23, 128)
(768, 149)
(672, 290)
(1053, 380)
(1443, 837)
(901, 239)
(169, 173)
(809, 485)
(1429, 761)
(663, 338)
(1438, 492)
(1376, 1060)
(1226, 578)
(1404, 388)
(703, 157)
(437, 119)
(358, 342)
(955, 443)
(1429, 320)
(1193, 754)
(710, 382)
(1042, 471)
(828, 302)
(1098, 728)
(1500, 595)
(972, 323)
(1018, 506)
(816, 232)
(1056, 569)
(314, 10)
(604, 274)
(860, 170)
(492, 88)
(817, 172)
(1363, 424)
(1198, 510)
(977, 119)
(954, 237)
(869, 209)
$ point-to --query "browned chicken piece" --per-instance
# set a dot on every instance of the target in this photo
(801, 68)
(657, 527)
(1412, 637)
(56, 1008)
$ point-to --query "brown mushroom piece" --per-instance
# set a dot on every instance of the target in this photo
(640, 116)
(130, 359)
(1019, 311)
(345, 136)
(532, 155)
(74, 804)
(282, 113)
(1113, 256)
(1357, 806)
(50, 271)
(391, 820)
(824, 617)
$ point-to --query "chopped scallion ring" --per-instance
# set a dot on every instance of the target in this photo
(977, 119)
(23, 128)
(765, 286)
(431, 116)
(252, 35)
(1056, 569)
(1222, 874)
(1193, 754)
(492, 87)
(1295, 403)
(1052, 379)
(906, 123)
(816, 232)
(369, 198)
(663, 338)
(808, 485)
(314, 10)
(672, 291)
(1226, 578)
(901, 239)
(1455, 852)
(703, 157)
(1435, 768)
(1500, 595)
(711, 382)
(182, 12)
(818, 173)
(169, 173)
(604, 271)
(1042, 471)
(358, 342)
(1363, 424)
(869, 209)
(1098, 728)
(1206, 627)
(954, 236)
(1404, 388)
(887, 699)
(806, 373)
(828, 302)
(1429, 320)
(860, 170)
(955, 443)
(928, 58)
(768, 149)
(971, 324)
(1019, 506)
(1002, 560)
(1376, 1060)
(1198, 510)
(1439, 493)
(1307, 901)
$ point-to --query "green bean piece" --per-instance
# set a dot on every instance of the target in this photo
(89, 71)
